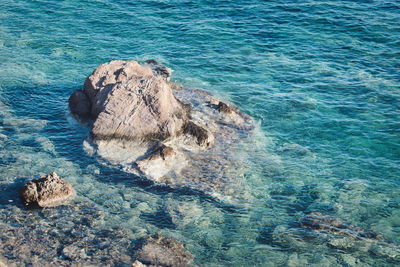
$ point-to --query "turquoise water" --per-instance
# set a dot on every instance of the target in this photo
(321, 79)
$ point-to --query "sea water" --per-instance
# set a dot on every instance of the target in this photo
(320, 78)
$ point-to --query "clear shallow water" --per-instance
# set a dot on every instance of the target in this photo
(321, 78)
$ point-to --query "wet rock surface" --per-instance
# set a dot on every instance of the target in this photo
(136, 110)
(162, 251)
(158, 162)
(48, 191)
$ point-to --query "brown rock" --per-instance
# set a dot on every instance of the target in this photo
(224, 108)
(47, 191)
(204, 138)
(135, 107)
(163, 152)
(162, 251)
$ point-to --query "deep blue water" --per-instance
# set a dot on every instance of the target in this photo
(321, 78)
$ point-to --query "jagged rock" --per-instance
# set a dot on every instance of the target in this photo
(162, 251)
(79, 104)
(115, 71)
(48, 191)
(129, 102)
(224, 108)
(137, 110)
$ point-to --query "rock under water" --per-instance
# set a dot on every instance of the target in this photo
(162, 251)
(317, 231)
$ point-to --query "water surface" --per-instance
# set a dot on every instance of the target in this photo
(321, 79)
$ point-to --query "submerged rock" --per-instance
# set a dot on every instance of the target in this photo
(330, 224)
(158, 162)
(70, 235)
(162, 251)
(144, 124)
(317, 231)
(48, 191)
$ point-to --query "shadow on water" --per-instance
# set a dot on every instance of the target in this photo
(9, 192)
(50, 103)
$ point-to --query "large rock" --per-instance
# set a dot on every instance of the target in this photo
(162, 251)
(130, 101)
(48, 191)
(158, 130)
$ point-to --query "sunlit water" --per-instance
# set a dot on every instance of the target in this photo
(320, 78)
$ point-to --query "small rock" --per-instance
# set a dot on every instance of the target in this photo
(224, 108)
(73, 252)
(3, 138)
(162, 251)
(204, 138)
(138, 264)
(48, 191)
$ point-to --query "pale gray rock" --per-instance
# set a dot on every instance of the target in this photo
(129, 101)
(48, 191)
(112, 72)
(138, 109)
